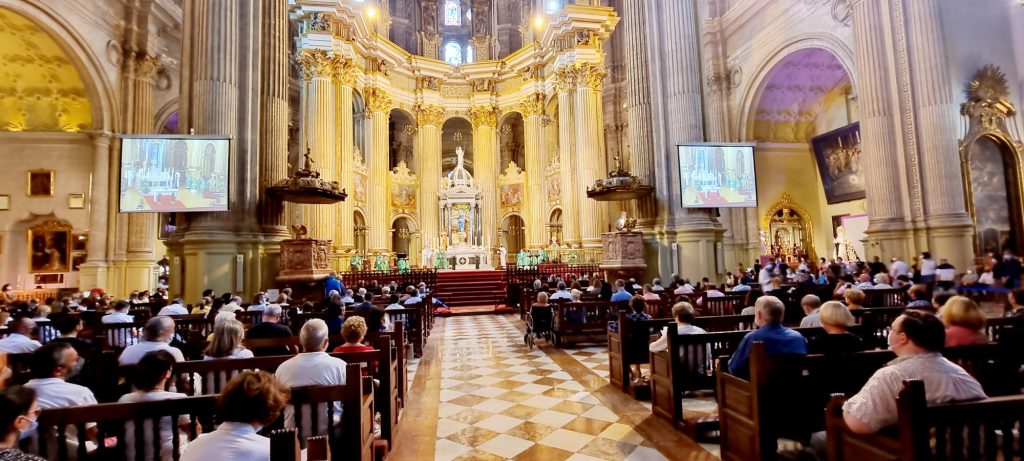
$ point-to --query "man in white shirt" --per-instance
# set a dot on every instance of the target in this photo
(764, 278)
(347, 299)
(156, 335)
(314, 367)
(51, 365)
(175, 308)
(154, 369)
(119, 314)
(864, 282)
(258, 304)
(20, 340)
(656, 286)
(562, 293)
(898, 267)
(414, 296)
(234, 305)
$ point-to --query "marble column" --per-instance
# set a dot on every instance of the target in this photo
(318, 71)
(430, 118)
(140, 261)
(591, 164)
(565, 83)
(485, 167)
(638, 106)
(378, 104)
(274, 116)
(536, 198)
(93, 273)
(949, 225)
(344, 79)
(879, 133)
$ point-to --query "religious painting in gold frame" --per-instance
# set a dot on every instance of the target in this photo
(788, 231)
(40, 183)
(49, 247)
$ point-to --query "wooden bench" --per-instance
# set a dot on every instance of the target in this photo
(784, 398)
(885, 297)
(730, 304)
(353, 438)
(594, 326)
(986, 429)
(628, 346)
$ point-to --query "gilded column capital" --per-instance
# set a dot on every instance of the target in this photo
(316, 63)
(429, 114)
(146, 66)
(532, 106)
(344, 71)
(566, 79)
(483, 116)
(591, 75)
(376, 100)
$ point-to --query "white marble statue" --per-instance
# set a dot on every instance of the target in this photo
(426, 256)
(502, 252)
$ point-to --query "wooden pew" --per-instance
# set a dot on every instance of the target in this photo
(353, 438)
(784, 397)
(594, 326)
(628, 346)
(112, 420)
(982, 429)
(885, 297)
(730, 304)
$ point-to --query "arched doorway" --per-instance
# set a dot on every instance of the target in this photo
(456, 132)
(359, 225)
(803, 112)
(555, 226)
(513, 233)
(401, 236)
(401, 134)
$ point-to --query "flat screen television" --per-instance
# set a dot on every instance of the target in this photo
(174, 173)
(717, 175)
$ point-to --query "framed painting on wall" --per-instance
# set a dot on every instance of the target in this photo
(40, 183)
(49, 248)
(838, 156)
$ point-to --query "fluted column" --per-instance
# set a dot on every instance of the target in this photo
(880, 139)
(274, 116)
(429, 117)
(536, 198)
(93, 273)
(565, 83)
(318, 70)
(591, 164)
(638, 105)
(142, 227)
(344, 81)
(485, 167)
(949, 225)
(378, 104)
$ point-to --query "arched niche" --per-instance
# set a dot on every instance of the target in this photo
(456, 132)
(555, 225)
(512, 233)
(359, 124)
(788, 230)
(511, 141)
(359, 226)
(401, 138)
(994, 184)
(405, 238)
(42, 87)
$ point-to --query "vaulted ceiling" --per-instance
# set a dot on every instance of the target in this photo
(793, 94)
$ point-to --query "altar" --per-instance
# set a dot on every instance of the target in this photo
(462, 246)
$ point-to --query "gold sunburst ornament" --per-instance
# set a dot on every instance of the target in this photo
(989, 83)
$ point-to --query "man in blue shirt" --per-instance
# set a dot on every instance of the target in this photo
(777, 339)
(621, 295)
(331, 283)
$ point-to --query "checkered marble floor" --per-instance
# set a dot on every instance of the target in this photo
(500, 401)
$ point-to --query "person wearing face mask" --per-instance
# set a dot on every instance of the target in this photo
(18, 413)
(52, 365)
(249, 401)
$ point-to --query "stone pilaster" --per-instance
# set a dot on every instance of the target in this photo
(93, 273)
(536, 198)
(565, 83)
(638, 106)
(949, 224)
(318, 70)
(591, 164)
(274, 116)
(345, 74)
(378, 104)
(142, 227)
(429, 117)
(887, 232)
(485, 167)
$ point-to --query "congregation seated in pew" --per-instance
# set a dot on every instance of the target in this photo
(835, 319)
(249, 401)
(149, 378)
(778, 339)
(267, 329)
(312, 367)
(227, 342)
(156, 335)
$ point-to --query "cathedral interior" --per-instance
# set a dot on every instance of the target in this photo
(243, 145)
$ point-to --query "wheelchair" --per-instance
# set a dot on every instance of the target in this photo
(540, 322)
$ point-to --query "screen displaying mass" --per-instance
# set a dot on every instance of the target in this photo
(717, 176)
(170, 174)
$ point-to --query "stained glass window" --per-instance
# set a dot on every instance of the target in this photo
(452, 13)
(453, 53)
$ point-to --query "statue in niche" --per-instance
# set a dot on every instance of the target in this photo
(426, 256)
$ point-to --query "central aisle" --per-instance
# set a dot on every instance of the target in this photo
(495, 399)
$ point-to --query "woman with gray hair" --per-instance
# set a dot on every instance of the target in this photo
(835, 319)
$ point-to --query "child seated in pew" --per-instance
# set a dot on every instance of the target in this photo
(150, 376)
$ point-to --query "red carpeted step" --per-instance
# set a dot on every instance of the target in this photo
(470, 288)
